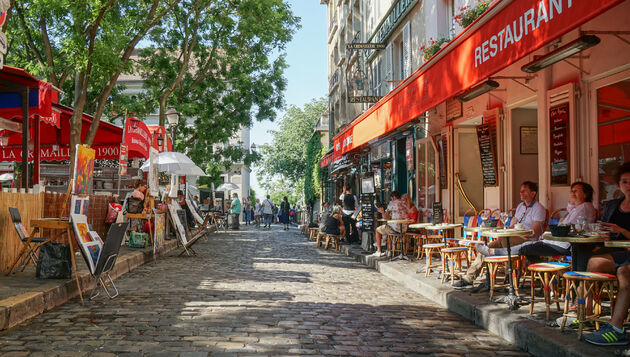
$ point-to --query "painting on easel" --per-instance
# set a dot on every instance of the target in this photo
(89, 241)
(160, 232)
(179, 227)
(154, 172)
(83, 170)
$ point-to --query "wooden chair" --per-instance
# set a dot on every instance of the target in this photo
(429, 250)
(334, 239)
(319, 237)
(30, 245)
(312, 233)
(549, 275)
(394, 241)
(452, 256)
(584, 284)
(494, 263)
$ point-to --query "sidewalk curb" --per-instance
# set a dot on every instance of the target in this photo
(20, 308)
(527, 334)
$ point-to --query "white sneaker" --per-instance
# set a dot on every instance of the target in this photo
(377, 254)
(388, 253)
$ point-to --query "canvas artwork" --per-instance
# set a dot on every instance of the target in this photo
(154, 173)
(193, 210)
(160, 233)
(83, 170)
(173, 187)
(79, 205)
(89, 241)
(181, 231)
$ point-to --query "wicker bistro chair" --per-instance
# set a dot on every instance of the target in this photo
(453, 257)
(585, 284)
(557, 215)
(312, 233)
(549, 275)
(332, 239)
(320, 237)
(494, 263)
(429, 250)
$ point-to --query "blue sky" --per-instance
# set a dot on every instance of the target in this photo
(307, 73)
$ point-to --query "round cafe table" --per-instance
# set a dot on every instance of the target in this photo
(581, 247)
(511, 299)
(478, 230)
(420, 225)
(400, 223)
(617, 244)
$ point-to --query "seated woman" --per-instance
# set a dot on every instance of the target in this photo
(580, 206)
(616, 219)
(412, 212)
(333, 223)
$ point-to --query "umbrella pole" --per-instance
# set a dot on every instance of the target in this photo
(123, 142)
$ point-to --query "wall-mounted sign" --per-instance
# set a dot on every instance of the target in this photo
(559, 147)
(366, 46)
(488, 166)
(363, 99)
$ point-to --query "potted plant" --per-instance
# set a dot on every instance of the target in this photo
(430, 49)
(469, 14)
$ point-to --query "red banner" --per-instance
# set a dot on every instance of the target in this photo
(61, 153)
(516, 30)
(138, 137)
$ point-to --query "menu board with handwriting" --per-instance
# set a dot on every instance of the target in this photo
(488, 165)
(559, 147)
(367, 212)
(438, 213)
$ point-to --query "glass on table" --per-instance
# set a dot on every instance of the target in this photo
(504, 216)
(580, 224)
(594, 228)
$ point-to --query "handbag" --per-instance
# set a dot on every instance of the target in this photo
(53, 261)
(112, 212)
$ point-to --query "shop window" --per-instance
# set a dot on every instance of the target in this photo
(427, 174)
(613, 121)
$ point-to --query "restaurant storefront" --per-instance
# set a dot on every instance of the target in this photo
(536, 90)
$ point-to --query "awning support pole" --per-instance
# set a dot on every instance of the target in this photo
(25, 138)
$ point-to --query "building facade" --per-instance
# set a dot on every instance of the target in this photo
(531, 90)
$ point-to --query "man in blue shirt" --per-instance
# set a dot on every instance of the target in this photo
(235, 210)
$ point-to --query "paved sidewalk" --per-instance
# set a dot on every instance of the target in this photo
(255, 292)
(529, 332)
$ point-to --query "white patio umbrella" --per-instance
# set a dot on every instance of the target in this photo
(228, 186)
(175, 163)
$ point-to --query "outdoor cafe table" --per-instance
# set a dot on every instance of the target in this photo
(617, 244)
(581, 247)
(511, 299)
(420, 225)
(478, 230)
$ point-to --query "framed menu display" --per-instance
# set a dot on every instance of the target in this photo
(486, 153)
(559, 143)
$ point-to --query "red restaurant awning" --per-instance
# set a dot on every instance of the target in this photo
(508, 32)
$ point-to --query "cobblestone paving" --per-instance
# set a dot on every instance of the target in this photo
(254, 293)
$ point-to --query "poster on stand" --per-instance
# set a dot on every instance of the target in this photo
(179, 227)
(154, 173)
(173, 186)
(160, 232)
(83, 170)
(89, 241)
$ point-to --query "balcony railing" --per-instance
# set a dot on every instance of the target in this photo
(333, 81)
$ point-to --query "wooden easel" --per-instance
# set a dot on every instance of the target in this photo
(70, 231)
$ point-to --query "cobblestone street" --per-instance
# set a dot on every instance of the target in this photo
(254, 292)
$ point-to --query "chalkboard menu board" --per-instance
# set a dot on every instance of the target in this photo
(488, 165)
(438, 213)
(559, 132)
(367, 211)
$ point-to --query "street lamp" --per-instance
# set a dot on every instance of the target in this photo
(253, 147)
(173, 117)
(160, 141)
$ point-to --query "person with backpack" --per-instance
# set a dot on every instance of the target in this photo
(267, 210)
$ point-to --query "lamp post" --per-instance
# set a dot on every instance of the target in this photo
(160, 142)
(173, 118)
(253, 148)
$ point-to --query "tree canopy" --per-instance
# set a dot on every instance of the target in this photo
(285, 159)
(220, 62)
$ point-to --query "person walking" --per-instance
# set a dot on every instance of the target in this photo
(350, 205)
(247, 210)
(267, 210)
(257, 212)
(285, 207)
(235, 210)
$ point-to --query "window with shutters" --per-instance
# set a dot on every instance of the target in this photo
(405, 52)
(389, 67)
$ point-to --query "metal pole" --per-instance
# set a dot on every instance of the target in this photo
(123, 143)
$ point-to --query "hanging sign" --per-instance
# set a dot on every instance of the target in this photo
(137, 137)
(366, 46)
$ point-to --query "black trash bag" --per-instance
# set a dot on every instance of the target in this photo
(54, 261)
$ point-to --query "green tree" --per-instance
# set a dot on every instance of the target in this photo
(81, 47)
(311, 179)
(286, 156)
(214, 64)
